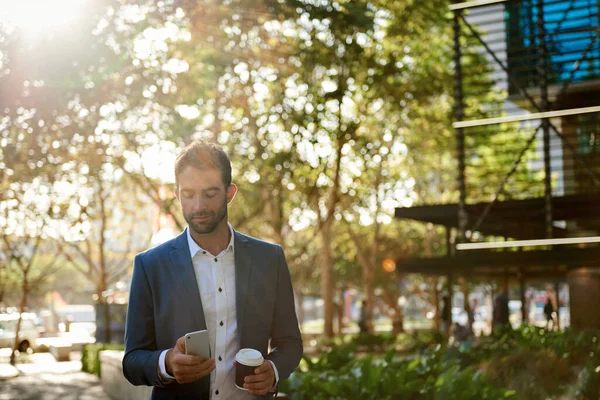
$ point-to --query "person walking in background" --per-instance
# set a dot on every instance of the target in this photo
(472, 313)
(550, 308)
(500, 312)
(212, 278)
(363, 319)
(446, 316)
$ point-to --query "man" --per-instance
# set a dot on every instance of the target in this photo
(550, 308)
(209, 277)
(501, 313)
(362, 319)
(446, 315)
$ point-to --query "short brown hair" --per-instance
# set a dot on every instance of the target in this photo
(202, 155)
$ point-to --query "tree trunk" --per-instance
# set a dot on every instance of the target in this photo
(339, 306)
(436, 303)
(104, 303)
(217, 121)
(397, 320)
(327, 279)
(103, 273)
(3, 278)
(300, 297)
(107, 330)
(368, 292)
(465, 290)
(24, 294)
(435, 280)
(299, 289)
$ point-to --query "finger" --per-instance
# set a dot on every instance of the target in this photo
(203, 367)
(257, 378)
(180, 345)
(207, 364)
(206, 371)
(257, 385)
(187, 359)
(190, 374)
(194, 369)
(264, 367)
(186, 378)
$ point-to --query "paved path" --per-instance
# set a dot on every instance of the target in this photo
(43, 378)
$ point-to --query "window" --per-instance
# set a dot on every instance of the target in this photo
(588, 134)
(573, 51)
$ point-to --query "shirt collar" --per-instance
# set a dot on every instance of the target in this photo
(195, 248)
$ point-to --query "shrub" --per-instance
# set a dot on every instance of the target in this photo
(533, 374)
(90, 358)
(339, 375)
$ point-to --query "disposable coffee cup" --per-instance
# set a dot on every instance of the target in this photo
(247, 361)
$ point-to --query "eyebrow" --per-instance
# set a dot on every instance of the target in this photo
(212, 188)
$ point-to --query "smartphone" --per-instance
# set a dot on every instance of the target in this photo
(197, 344)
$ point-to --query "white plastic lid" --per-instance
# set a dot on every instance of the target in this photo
(250, 357)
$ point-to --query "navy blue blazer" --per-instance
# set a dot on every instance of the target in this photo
(165, 304)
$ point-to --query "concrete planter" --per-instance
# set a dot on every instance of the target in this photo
(113, 381)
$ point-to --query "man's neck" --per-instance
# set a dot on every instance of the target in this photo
(214, 242)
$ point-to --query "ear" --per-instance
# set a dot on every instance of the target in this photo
(231, 192)
(177, 193)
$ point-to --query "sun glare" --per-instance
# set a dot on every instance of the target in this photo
(35, 16)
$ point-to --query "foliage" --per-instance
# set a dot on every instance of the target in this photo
(526, 363)
(340, 375)
(382, 342)
(537, 362)
(90, 357)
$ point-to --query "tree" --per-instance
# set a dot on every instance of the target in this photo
(28, 222)
(113, 223)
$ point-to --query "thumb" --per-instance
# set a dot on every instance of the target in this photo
(180, 345)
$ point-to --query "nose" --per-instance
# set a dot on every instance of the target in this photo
(197, 204)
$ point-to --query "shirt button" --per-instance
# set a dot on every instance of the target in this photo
(220, 290)
(215, 259)
(203, 252)
(217, 392)
(220, 359)
(221, 323)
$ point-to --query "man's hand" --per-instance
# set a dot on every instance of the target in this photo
(262, 380)
(187, 368)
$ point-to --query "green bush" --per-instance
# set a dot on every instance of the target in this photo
(90, 358)
(339, 375)
(526, 363)
(382, 342)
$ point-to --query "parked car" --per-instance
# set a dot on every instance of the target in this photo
(28, 333)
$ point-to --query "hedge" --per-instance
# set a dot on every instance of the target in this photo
(90, 358)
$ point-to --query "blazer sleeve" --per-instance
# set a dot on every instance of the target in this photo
(286, 341)
(140, 363)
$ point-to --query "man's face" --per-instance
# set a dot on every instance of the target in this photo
(204, 198)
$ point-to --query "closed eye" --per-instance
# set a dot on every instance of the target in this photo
(210, 193)
(187, 194)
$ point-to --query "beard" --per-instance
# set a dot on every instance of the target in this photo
(213, 219)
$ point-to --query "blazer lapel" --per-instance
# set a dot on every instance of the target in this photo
(243, 263)
(182, 262)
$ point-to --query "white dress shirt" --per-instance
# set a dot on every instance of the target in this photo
(215, 276)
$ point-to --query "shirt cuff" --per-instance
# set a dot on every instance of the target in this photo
(276, 373)
(162, 368)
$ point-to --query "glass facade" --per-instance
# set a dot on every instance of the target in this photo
(570, 29)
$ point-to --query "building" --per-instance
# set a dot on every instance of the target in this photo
(528, 126)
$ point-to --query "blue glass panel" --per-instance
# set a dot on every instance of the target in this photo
(572, 46)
